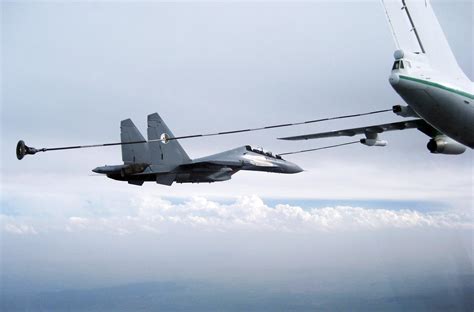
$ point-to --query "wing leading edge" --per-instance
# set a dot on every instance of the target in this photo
(419, 124)
(212, 164)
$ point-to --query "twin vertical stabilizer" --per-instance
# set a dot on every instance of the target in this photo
(154, 152)
(133, 153)
(164, 151)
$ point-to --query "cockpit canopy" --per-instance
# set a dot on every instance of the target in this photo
(400, 64)
(261, 151)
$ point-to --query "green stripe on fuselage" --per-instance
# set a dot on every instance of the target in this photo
(437, 85)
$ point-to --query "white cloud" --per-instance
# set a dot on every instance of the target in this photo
(18, 228)
(249, 213)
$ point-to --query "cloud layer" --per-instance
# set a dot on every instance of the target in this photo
(155, 214)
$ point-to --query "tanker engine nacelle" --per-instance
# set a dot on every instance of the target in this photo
(404, 111)
(445, 145)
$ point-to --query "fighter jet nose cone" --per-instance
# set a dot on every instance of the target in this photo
(96, 170)
(293, 168)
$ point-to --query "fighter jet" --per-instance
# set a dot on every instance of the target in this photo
(162, 159)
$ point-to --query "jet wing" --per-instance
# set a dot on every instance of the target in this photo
(212, 164)
(215, 170)
(419, 124)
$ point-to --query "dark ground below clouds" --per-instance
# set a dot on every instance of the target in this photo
(431, 294)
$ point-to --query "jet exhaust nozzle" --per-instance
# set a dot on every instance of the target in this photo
(22, 149)
(133, 169)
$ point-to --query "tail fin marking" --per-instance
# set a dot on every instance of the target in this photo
(164, 153)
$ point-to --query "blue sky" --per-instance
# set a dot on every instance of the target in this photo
(357, 218)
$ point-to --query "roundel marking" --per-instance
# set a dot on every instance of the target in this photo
(164, 138)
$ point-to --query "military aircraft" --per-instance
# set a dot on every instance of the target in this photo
(161, 158)
(426, 75)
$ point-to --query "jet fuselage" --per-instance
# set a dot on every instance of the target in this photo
(213, 168)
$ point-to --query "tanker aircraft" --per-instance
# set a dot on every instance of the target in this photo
(427, 76)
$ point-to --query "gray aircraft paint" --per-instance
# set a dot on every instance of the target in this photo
(165, 161)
